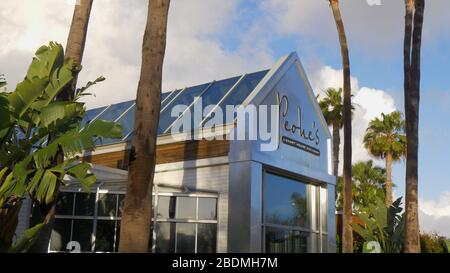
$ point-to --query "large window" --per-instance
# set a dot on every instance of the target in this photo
(294, 215)
(91, 219)
(185, 224)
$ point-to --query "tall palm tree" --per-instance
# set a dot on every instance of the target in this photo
(385, 139)
(347, 236)
(74, 51)
(77, 40)
(411, 54)
(136, 216)
(333, 109)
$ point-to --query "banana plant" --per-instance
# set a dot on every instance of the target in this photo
(34, 128)
(382, 225)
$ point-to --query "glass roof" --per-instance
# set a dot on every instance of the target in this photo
(231, 91)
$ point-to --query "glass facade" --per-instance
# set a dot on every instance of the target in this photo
(185, 224)
(231, 91)
(294, 215)
(91, 219)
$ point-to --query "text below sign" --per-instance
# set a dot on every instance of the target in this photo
(301, 146)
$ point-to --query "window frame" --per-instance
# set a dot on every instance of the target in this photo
(97, 191)
(311, 185)
(188, 221)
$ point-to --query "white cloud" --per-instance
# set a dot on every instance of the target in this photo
(434, 215)
(194, 52)
(369, 103)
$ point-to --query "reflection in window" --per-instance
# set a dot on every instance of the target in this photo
(104, 236)
(186, 224)
(294, 215)
(165, 239)
(186, 207)
(207, 208)
(60, 234)
(78, 223)
(107, 205)
(206, 238)
(286, 241)
(166, 207)
(84, 204)
(285, 201)
(82, 232)
(64, 204)
(185, 238)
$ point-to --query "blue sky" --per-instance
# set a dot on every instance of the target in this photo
(216, 39)
(382, 68)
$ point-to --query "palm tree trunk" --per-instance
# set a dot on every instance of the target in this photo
(74, 51)
(414, 17)
(336, 144)
(347, 237)
(388, 198)
(136, 216)
(77, 40)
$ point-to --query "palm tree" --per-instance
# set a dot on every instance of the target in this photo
(412, 46)
(333, 108)
(369, 181)
(385, 139)
(77, 40)
(74, 51)
(136, 216)
(347, 236)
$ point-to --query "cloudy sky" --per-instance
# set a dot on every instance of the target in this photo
(213, 39)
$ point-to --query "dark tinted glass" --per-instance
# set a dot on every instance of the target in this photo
(107, 205)
(84, 204)
(82, 233)
(64, 204)
(286, 241)
(104, 236)
(60, 234)
(185, 238)
(286, 202)
(165, 237)
(206, 238)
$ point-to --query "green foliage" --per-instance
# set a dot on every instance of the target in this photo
(27, 240)
(332, 106)
(433, 243)
(446, 244)
(383, 225)
(367, 185)
(34, 128)
(386, 135)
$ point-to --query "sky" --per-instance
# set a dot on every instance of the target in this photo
(216, 39)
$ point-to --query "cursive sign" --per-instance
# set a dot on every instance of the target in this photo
(309, 134)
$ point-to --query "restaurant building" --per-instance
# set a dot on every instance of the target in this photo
(218, 192)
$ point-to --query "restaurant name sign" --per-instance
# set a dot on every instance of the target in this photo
(296, 133)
